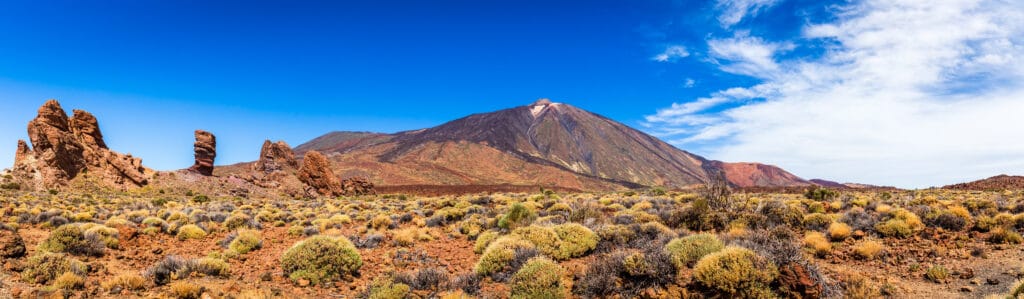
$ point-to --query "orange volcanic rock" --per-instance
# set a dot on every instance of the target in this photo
(758, 175)
(996, 183)
(316, 172)
(206, 152)
(275, 156)
(65, 148)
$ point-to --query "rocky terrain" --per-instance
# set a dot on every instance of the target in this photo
(996, 183)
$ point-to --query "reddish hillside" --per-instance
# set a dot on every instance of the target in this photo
(545, 144)
(999, 182)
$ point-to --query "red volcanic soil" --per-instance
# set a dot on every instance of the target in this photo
(999, 182)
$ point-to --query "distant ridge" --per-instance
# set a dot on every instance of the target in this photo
(996, 183)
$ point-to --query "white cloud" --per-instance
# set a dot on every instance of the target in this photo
(910, 93)
(734, 11)
(689, 83)
(671, 54)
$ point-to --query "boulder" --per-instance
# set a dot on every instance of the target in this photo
(357, 186)
(795, 281)
(206, 152)
(11, 244)
(317, 174)
(275, 156)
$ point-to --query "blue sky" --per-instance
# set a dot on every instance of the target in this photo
(725, 79)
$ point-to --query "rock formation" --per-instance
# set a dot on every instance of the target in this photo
(357, 186)
(66, 148)
(206, 151)
(275, 156)
(316, 172)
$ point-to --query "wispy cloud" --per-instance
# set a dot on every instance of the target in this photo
(672, 54)
(911, 93)
(734, 11)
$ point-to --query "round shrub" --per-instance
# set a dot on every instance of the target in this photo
(46, 266)
(540, 277)
(191, 231)
(838, 231)
(238, 221)
(544, 238)
(1004, 236)
(576, 240)
(498, 255)
(816, 221)
(736, 271)
(380, 222)
(108, 235)
(245, 242)
(902, 224)
(817, 243)
(868, 249)
(70, 238)
(518, 215)
(321, 259)
(483, 240)
(688, 250)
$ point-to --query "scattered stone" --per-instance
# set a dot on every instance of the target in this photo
(206, 152)
(992, 281)
(966, 289)
(357, 186)
(967, 273)
(796, 282)
(266, 276)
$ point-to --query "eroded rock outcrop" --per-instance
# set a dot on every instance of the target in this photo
(206, 152)
(275, 156)
(357, 186)
(64, 148)
(316, 173)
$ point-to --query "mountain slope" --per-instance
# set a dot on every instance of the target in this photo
(543, 143)
(999, 182)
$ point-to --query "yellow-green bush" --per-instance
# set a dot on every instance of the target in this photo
(46, 266)
(131, 282)
(817, 243)
(484, 240)
(387, 289)
(838, 231)
(576, 240)
(321, 259)
(108, 235)
(902, 224)
(538, 278)
(518, 215)
(937, 273)
(69, 238)
(190, 231)
(246, 241)
(69, 281)
(381, 222)
(1004, 236)
(497, 255)
(816, 221)
(544, 238)
(868, 249)
(688, 250)
(185, 290)
(736, 271)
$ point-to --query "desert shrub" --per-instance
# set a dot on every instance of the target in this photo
(498, 255)
(107, 235)
(46, 266)
(185, 290)
(715, 192)
(387, 289)
(816, 221)
(240, 221)
(191, 231)
(1004, 236)
(156, 222)
(210, 266)
(538, 278)
(820, 194)
(779, 213)
(246, 241)
(424, 279)
(131, 282)
(518, 215)
(171, 267)
(817, 243)
(985, 223)
(543, 238)
(627, 273)
(483, 240)
(380, 222)
(688, 250)
(838, 231)
(736, 271)
(69, 281)
(1017, 291)
(576, 240)
(465, 282)
(902, 224)
(69, 238)
(859, 219)
(937, 273)
(406, 236)
(321, 259)
(868, 249)
(614, 236)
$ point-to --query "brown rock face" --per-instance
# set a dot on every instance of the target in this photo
(206, 151)
(357, 186)
(796, 282)
(275, 156)
(316, 172)
(65, 148)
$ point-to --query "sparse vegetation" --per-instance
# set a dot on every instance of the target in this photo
(321, 259)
